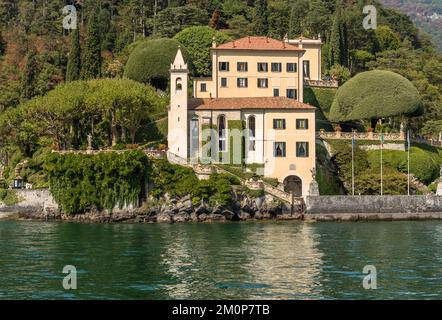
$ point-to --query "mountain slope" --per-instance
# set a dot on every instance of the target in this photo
(426, 14)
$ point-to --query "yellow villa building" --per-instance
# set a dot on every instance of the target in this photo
(251, 110)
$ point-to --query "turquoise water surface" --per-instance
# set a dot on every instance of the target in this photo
(285, 260)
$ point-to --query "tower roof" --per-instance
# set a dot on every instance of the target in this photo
(178, 63)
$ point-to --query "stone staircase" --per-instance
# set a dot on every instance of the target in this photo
(277, 193)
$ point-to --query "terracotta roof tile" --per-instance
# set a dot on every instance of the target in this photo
(247, 103)
(258, 43)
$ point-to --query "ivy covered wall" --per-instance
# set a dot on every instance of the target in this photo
(81, 183)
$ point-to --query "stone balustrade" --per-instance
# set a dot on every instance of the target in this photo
(360, 135)
(151, 153)
(322, 83)
(254, 185)
(155, 154)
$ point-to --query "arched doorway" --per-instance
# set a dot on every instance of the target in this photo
(293, 184)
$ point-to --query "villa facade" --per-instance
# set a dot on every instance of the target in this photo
(250, 111)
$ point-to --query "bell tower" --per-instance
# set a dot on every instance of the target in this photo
(177, 116)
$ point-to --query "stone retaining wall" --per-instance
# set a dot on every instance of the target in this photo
(38, 200)
(374, 204)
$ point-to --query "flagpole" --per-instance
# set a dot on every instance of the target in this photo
(353, 164)
(408, 156)
(382, 173)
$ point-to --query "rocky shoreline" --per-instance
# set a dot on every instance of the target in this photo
(244, 207)
(169, 210)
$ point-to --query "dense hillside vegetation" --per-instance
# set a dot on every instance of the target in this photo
(427, 14)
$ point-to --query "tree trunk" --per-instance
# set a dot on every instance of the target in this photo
(133, 133)
(123, 134)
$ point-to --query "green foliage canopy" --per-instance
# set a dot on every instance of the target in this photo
(65, 116)
(198, 41)
(150, 62)
(373, 95)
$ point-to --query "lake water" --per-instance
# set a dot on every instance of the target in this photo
(284, 260)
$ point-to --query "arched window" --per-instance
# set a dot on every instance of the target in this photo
(222, 133)
(252, 133)
(179, 84)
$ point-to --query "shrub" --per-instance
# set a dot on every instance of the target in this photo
(373, 95)
(342, 158)
(180, 181)
(423, 164)
(150, 62)
(8, 197)
(340, 73)
(394, 183)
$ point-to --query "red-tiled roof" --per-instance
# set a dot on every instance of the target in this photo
(258, 43)
(247, 103)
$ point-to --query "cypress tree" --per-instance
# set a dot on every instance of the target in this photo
(74, 60)
(297, 13)
(262, 18)
(30, 75)
(335, 45)
(91, 62)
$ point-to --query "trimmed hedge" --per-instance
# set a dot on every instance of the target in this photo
(322, 99)
(150, 62)
(373, 95)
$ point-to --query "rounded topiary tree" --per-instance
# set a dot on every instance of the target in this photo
(374, 95)
(198, 41)
(150, 62)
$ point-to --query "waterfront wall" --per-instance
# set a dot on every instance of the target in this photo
(34, 200)
(374, 204)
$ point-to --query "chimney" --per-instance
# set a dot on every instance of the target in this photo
(234, 44)
(249, 38)
(213, 42)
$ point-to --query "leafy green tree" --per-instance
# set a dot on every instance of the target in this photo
(74, 60)
(174, 19)
(30, 75)
(340, 73)
(261, 18)
(388, 40)
(239, 26)
(374, 95)
(198, 41)
(92, 60)
(150, 62)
